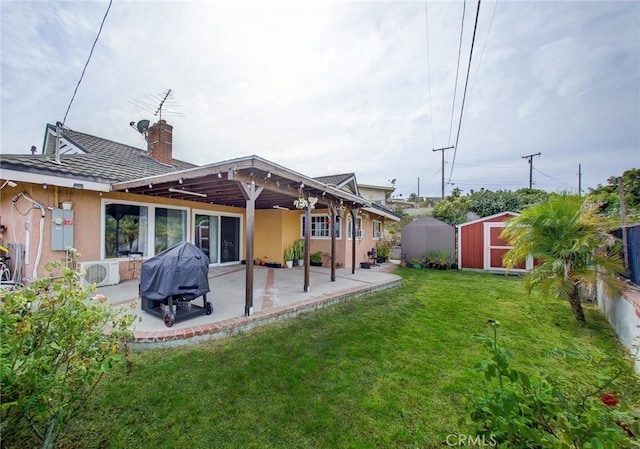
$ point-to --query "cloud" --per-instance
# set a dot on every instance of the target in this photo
(327, 87)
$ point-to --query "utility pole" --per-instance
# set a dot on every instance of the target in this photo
(418, 199)
(529, 158)
(443, 150)
(579, 179)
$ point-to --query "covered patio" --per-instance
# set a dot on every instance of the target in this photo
(277, 297)
(253, 183)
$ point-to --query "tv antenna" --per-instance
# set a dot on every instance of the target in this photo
(159, 104)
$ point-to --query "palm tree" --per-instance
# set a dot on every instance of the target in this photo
(571, 246)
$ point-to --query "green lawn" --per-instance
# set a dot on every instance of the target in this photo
(389, 370)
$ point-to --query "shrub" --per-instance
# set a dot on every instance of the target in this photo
(316, 257)
(298, 249)
(538, 411)
(383, 250)
(56, 344)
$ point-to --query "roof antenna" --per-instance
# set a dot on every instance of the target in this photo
(159, 104)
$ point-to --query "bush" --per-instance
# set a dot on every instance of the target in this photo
(383, 250)
(56, 344)
(538, 411)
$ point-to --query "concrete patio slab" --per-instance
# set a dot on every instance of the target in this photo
(278, 295)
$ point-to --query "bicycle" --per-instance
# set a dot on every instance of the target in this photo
(5, 273)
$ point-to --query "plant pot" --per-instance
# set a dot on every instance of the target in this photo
(417, 266)
(365, 265)
(315, 264)
(301, 262)
(289, 263)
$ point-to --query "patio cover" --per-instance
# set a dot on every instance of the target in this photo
(252, 183)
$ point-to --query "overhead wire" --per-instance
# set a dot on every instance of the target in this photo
(87, 63)
(551, 177)
(426, 20)
(455, 88)
(473, 85)
(464, 95)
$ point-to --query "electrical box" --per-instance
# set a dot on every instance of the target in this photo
(62, 229)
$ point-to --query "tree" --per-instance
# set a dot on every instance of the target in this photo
(608, 197)
(452, 210)
(571, 244)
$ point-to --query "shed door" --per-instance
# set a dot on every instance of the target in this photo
(495, 248)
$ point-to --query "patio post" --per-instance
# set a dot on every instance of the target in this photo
(354, 213)
(250, 192)
(332, 209)
(307, 239)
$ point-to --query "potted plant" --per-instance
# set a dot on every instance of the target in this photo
(415, 263)
(288, 256)
(383, 250)
(316, 259)
(299, 252)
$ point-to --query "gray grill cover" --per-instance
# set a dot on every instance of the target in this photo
(179, 270)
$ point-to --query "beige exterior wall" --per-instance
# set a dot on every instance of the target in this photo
(88, 216)
(274, 229)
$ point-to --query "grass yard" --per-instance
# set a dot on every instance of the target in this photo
(389, 370)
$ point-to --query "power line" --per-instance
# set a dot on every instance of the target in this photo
(556, 180)
(485, 166)
(87, 63)
(426, 21)
(473, 85)
(455, 88)
(464, 95)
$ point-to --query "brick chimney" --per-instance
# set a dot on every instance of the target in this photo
(160, 138)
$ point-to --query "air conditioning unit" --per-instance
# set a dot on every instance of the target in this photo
(100, 272)
(377, 235)
(360, 234)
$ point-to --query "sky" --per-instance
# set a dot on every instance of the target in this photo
(339, 87)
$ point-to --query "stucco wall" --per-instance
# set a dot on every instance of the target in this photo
(87, 208)
(624, 315)
(274, 229)
(268, 238)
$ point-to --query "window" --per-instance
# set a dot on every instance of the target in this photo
(359, 232)
(170, 228)
(142, 228)
(377, 229)
(125, 229)
(321, 226)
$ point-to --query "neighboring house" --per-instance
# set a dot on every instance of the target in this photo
(379, 195)
(127, 200)
(401, 203)
(480, 246)
(426, 235)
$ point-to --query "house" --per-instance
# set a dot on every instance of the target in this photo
(111, 201)
(379, 195)
(480, 246)
(425, 235)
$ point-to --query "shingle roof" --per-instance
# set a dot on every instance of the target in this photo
(335, 179)
(103, 161)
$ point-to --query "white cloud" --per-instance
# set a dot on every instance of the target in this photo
(328, 87)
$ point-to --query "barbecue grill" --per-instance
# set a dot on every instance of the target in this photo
(172, 279)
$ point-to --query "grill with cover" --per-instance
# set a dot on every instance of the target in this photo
(171, 279)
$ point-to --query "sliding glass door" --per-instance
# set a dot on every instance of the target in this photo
(218, 237)
(230, 238)
(206, 235)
